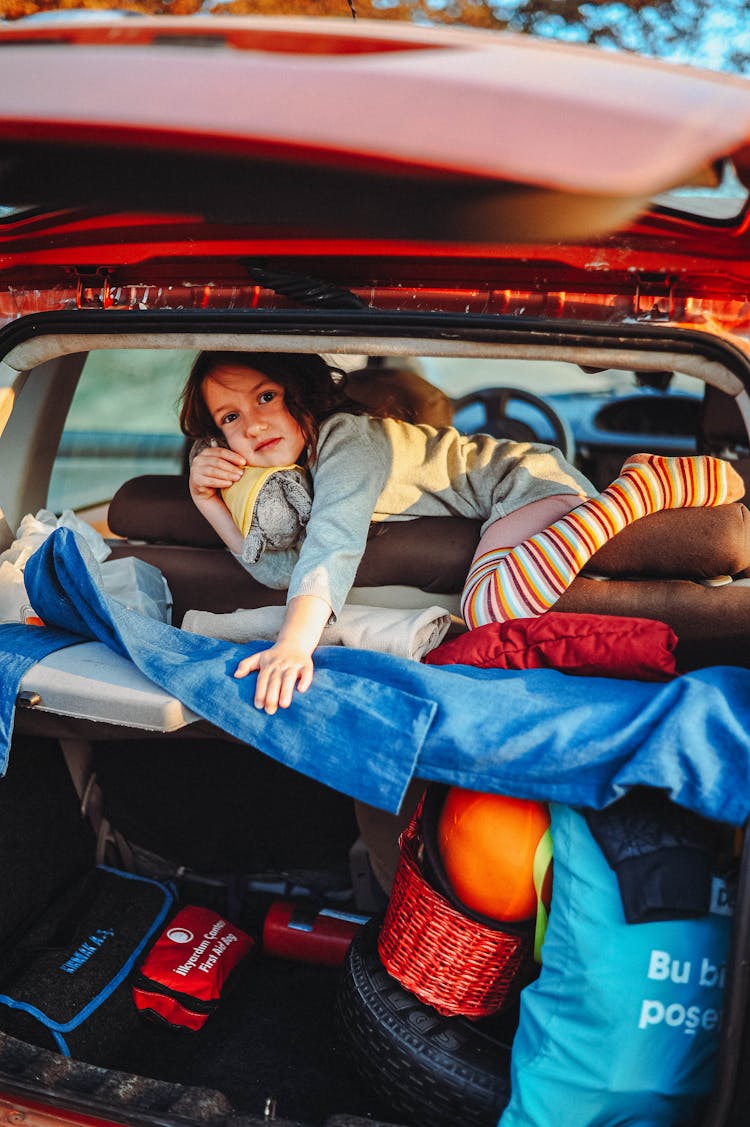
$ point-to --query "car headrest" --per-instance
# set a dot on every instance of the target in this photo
(434, 554)
(402, 394)
(158, 508)
(721, 424)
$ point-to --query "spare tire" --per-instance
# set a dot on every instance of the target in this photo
(438, 1071)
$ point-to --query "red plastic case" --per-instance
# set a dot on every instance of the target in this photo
(291, 931)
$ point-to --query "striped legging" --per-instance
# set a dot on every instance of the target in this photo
(526, 580)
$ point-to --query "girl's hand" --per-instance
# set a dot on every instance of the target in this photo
(288, 664)
(281, 669)
(213, 469)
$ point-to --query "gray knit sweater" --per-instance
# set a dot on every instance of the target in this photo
(371, 469)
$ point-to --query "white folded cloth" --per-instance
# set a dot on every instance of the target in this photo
(403, 633)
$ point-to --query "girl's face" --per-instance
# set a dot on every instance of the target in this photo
(249, 410)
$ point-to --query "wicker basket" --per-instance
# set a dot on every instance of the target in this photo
(451, 962)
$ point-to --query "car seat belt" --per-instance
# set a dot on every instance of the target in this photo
(78, 756)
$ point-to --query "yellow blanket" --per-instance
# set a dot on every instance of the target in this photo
(240, 498)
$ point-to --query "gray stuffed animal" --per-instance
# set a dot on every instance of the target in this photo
(282, 509)
(279, 513)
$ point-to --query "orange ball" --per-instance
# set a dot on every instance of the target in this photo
(487, 844)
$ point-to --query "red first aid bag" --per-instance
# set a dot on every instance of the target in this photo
(188, 968)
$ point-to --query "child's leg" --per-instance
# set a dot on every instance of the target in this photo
(526, 580)
(479, 602)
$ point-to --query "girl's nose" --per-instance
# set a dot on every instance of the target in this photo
(255, 425)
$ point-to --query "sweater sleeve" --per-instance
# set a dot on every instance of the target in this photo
(272, 569)
(349, 474)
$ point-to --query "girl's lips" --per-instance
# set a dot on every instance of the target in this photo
(266, 445)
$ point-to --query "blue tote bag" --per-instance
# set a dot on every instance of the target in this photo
(622, 1025)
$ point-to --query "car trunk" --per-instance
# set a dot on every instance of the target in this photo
(174, 799)
(236, 832)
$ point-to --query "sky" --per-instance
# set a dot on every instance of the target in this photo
(725, 30)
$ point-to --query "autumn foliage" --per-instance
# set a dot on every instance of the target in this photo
(364, 9)
(661, 28)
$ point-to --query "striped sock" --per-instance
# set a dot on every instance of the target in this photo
(526, 580)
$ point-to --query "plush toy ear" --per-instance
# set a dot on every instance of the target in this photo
(253, 546)
(297, 489)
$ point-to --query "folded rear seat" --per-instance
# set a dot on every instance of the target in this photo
(406, 563)
(159, 523)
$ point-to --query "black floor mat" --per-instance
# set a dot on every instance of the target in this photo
(273, 1039)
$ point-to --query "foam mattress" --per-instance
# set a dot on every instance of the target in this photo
(90, 681)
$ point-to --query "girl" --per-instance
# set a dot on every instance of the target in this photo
(542, 519)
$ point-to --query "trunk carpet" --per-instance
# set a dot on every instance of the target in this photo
(273, 1038)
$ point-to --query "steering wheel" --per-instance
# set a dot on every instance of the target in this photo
(496, 400)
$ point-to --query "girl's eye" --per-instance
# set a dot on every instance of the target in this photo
(230, 417)
(266, 396)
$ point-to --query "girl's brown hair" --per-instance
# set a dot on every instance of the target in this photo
(313, 390)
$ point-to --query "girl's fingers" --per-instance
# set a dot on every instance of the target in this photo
(247, 665)
(305, 680)
(217, 468)
(267, 691)
(276, 684)
(219, 477)
(218, 454)
(288, 683)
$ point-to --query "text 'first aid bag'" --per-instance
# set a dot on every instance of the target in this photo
(622, 1024)
(189, 967)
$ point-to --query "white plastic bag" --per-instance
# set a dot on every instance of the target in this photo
(139, 586)
(34, 530)
(14, 602)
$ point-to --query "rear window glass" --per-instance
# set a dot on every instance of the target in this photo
(122, 423)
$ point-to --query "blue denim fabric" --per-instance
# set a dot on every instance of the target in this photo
(20, 648)
(322, 735)
(370, 721)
